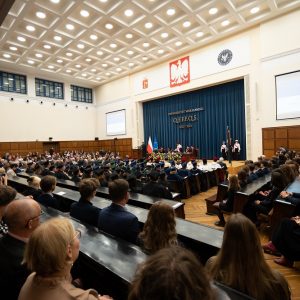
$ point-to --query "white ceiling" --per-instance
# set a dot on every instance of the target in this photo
(91, 54)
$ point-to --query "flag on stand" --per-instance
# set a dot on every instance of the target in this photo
(229, 146)
(155, 143)
(149, 146)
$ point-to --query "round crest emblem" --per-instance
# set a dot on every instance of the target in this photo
(225, 57)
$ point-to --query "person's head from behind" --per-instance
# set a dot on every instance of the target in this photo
(242, 175)
(118, 190)
(87, 188)
(7, 194)
(171, 274)
(52, 248)
(160, 227)
(22, 216)
(234, 183)
(34, 182)
(279, 179)
(48, 184)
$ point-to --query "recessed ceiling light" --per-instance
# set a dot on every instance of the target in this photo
(31, 62)
(104, 65)
(70, 26)
(69, 54)
(113, 45)
(148, 25)
(55, 1)
(13, 48)
(130, 52)
(119, 69)
(93, 70)
(131, 64)
(6, 55)
(39, 55)
(171, 12)
(109, 26)
(47, 46)
(186, 24)
(178, 43)
(88, 59)
(128, 12)
(129, 36)
(254, 10)
(164, 35)
(213, 11)
(40, 15)
(116, 59)
(146, 45)
(93, 37)
(225, 23)
(80, 46)
(160, 51)
(107, 74)
(21, 39)
(145, 58)
(84, 13)
(84, 74)
(99, 53)
(30, 28)
(68, 71)
(199, 34)
(57, 38)
(103, 1)
(51, 67)
(98, 78)
(78, 66)
(60, 61)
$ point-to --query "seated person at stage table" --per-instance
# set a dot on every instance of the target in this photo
(48, 184)
(84, 210)
(22, 217)
(159, 229)
(34, 189)
(50, 254)
(240, 263)
(116, 219)
(173, 273)
(155, 189)
(285, 242)
(227, 204)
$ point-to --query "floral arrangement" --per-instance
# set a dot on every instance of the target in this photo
(161, 156)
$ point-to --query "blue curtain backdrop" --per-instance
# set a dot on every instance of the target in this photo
(223, 105)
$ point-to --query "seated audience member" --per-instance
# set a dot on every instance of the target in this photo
(288, 172)
(183, 172)
(60, 172)
(240, 263)
(242, 177)
(7, 194)
(258, 170)
(252, 175)
(291, 197)
(266, 167)
(227, 204)
(162, 179)
(50, 254)
(155, 189)
(76, 175)
(174, 175)
(285, 241)
(22, 217)
(159, 229)
(173, 274)
(48, 184)
(115, 219)
(46, 170)
(11, 169)
(84, 210)
(34, 189)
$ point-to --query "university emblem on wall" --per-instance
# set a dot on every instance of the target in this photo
(180, 71)
(225, 57)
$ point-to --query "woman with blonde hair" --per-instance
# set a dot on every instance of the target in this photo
(34, 188)
(159, 229)
(240, 263)
(50, 253)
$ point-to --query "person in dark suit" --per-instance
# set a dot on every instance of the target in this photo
(115, 219)
(48, 184)
(33, 187)
(22, 217)
(60, 172)
(155, 189)
(84, 210)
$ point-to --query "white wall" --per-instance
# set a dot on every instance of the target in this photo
(273, 48)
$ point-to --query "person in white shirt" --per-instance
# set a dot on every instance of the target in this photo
(236, 150)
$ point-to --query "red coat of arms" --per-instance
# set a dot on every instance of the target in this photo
(180, 71)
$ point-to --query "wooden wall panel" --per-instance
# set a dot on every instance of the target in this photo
(281, 133)
(294, 144)
(269, 144)
(268, 133)
(294, 133)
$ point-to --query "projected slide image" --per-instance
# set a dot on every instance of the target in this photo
(116, 122)
(288, 95)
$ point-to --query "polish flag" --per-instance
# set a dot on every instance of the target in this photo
(149, 146)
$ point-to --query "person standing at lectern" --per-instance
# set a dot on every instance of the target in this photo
(178, 147)
(236, 150)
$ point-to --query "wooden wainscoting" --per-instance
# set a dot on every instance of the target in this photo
(275, 137)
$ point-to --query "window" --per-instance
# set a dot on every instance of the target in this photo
(47, 88)
(81, 94)
(13, 83)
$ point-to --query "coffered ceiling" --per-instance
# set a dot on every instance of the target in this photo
(95, 41)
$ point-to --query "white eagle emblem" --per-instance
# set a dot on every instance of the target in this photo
(179, 72)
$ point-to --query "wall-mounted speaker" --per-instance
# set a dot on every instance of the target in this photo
(11, 99)
(50, 139)
(27, 101)
(96, 138)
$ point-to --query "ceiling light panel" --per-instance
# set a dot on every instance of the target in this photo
(214, 12)
(8, 22)
(255, 13)
(170, 14)
(84, 15)
(152, 6)
(30, 29)
(58, 8)
(105, 7)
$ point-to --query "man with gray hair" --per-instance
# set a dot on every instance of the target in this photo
(22, 218)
